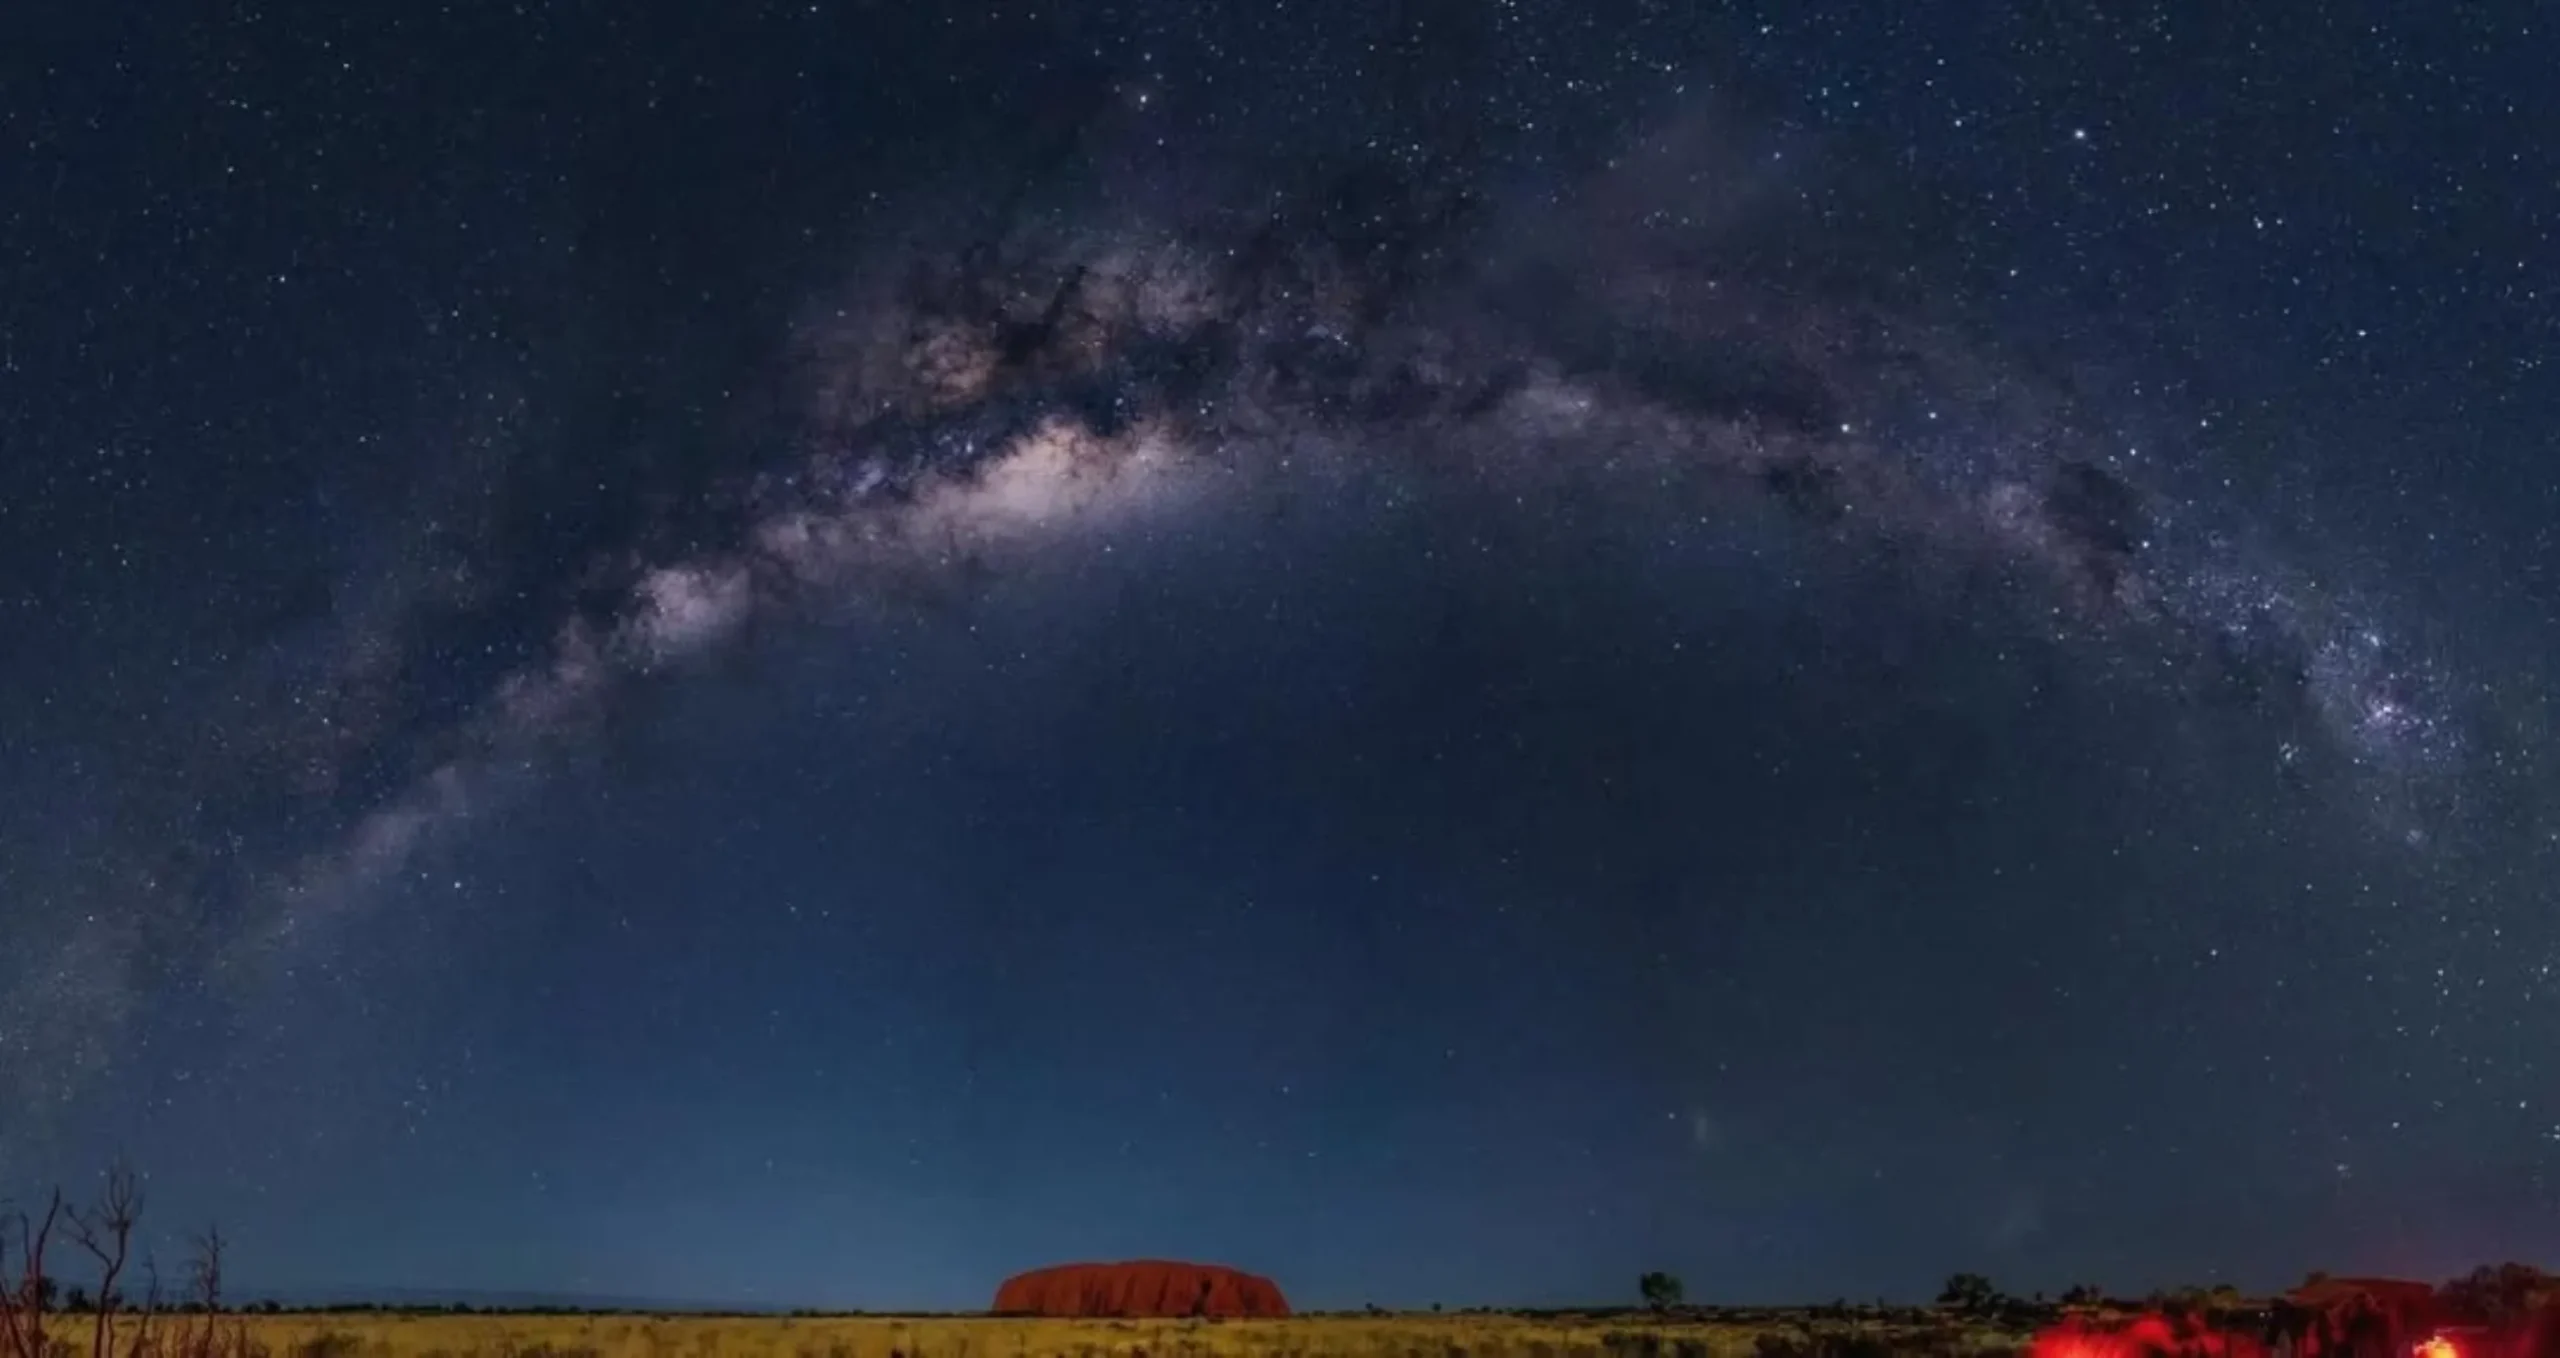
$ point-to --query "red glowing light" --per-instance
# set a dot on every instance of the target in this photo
(2149, 1335)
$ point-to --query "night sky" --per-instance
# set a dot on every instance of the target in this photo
(813, 653)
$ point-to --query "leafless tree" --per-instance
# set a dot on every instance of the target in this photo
(150, 1307)
(105, 1231)
(201, 1335)
(23, 1300)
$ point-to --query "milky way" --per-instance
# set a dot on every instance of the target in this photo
(954, 403)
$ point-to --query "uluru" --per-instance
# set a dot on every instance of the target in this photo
(1140, 1287)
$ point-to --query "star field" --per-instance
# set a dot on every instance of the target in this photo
(1450, 651)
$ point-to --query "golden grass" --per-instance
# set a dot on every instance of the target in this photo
(1365, 1336)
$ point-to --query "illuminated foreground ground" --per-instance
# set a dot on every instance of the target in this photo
(1478, 1336)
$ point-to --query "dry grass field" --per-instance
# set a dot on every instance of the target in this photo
(390, 1335)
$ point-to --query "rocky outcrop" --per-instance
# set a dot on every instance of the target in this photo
(1142, 1287)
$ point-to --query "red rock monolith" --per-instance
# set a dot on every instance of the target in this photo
(1140, 1287)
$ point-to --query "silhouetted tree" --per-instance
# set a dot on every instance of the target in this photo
(26, 1297)
(106, 1232)
(1660, 1290)
(1970, 1292)
(2495, 1294)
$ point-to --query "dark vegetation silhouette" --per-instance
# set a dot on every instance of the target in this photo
(1971, 1293)
(2499, 1294)
(191, 1325)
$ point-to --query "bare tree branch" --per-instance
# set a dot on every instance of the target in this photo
(106, 1232)
(207, 1284)
(150, 1307)
(23, 1303)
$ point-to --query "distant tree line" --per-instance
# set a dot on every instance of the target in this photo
(2489, 1294)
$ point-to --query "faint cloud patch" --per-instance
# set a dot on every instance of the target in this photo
(2019, 1218)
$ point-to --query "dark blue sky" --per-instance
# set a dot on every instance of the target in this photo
(810, 654)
